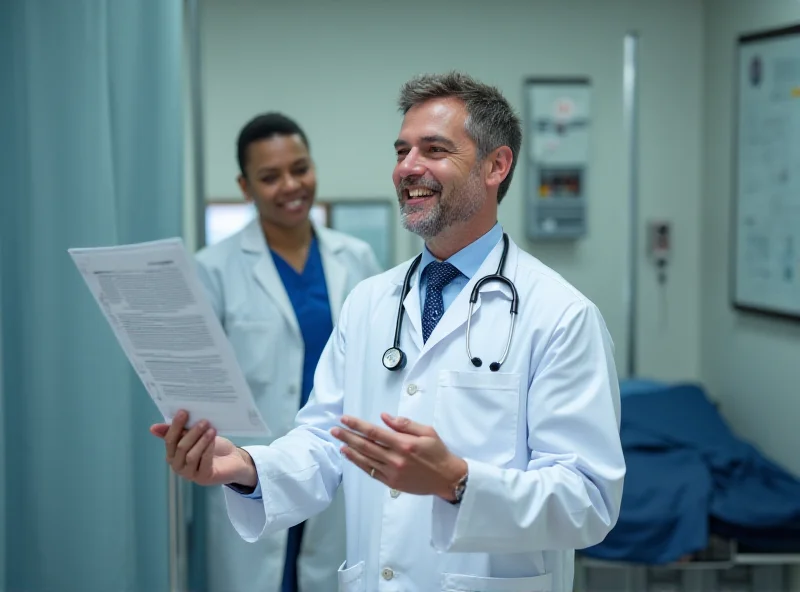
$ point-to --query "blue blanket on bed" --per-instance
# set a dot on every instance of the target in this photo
(689, 476)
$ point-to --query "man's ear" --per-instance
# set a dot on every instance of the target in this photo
(499, 165)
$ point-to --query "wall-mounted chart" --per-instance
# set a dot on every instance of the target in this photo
(766, 213)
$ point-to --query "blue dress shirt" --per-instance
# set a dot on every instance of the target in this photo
(468, 260)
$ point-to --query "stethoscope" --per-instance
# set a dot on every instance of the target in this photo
(395, 359)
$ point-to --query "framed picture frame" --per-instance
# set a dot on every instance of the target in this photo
(371, 220)
(765, 212)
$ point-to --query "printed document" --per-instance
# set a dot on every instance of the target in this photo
(152, 298)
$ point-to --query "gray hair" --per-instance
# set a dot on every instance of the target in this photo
(491, 122)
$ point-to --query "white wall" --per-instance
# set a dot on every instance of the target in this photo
(337, 66)
(750, 363)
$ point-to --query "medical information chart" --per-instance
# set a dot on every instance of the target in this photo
(152, 298)
(767, 199)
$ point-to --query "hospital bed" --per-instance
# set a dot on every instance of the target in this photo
(702, 510)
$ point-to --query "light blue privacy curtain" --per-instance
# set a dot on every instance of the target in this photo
(2, 440)
(91, 135)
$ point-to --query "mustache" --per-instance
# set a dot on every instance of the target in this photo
(407, 182)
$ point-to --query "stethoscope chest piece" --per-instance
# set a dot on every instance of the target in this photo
(394, 359)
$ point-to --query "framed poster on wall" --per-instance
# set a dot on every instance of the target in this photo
(766, 185)
(371, 220)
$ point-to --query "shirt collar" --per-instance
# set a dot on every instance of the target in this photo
(469, 259)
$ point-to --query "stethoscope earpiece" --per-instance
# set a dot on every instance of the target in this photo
(477, 362)
(395, 359)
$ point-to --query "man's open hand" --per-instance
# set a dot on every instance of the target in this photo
(409, 457)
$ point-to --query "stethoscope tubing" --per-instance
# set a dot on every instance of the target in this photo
(395, 359)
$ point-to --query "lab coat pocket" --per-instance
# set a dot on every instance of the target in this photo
(351, 579)
(254, 346)
(462, 583)
(476, 414)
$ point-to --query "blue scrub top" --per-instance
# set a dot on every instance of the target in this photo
(308, 294)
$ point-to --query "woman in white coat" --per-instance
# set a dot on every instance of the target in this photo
(277, 287)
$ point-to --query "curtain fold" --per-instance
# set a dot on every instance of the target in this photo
(92, 127)
(2, 447)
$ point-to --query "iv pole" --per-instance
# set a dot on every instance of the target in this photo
(630, 108)
(180, 492)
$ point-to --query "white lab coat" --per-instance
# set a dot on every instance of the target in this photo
(541, 438)
(249, 298)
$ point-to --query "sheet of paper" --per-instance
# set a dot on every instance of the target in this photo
(152, 298)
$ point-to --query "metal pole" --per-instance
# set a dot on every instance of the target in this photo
(177, 536)
(631, 107)
(179, 491)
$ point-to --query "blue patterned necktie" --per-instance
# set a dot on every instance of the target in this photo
(438, 274)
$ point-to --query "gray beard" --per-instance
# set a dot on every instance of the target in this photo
(460, 205)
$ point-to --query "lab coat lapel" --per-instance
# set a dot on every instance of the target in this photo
(335, 271)
(412, 321)
(266, 273)
(413, 310)
(456, 314)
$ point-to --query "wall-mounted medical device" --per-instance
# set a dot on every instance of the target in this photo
(658, 241)
(557, 117)
(659, 246)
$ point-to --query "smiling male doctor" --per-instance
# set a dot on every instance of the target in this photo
(456, 477)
